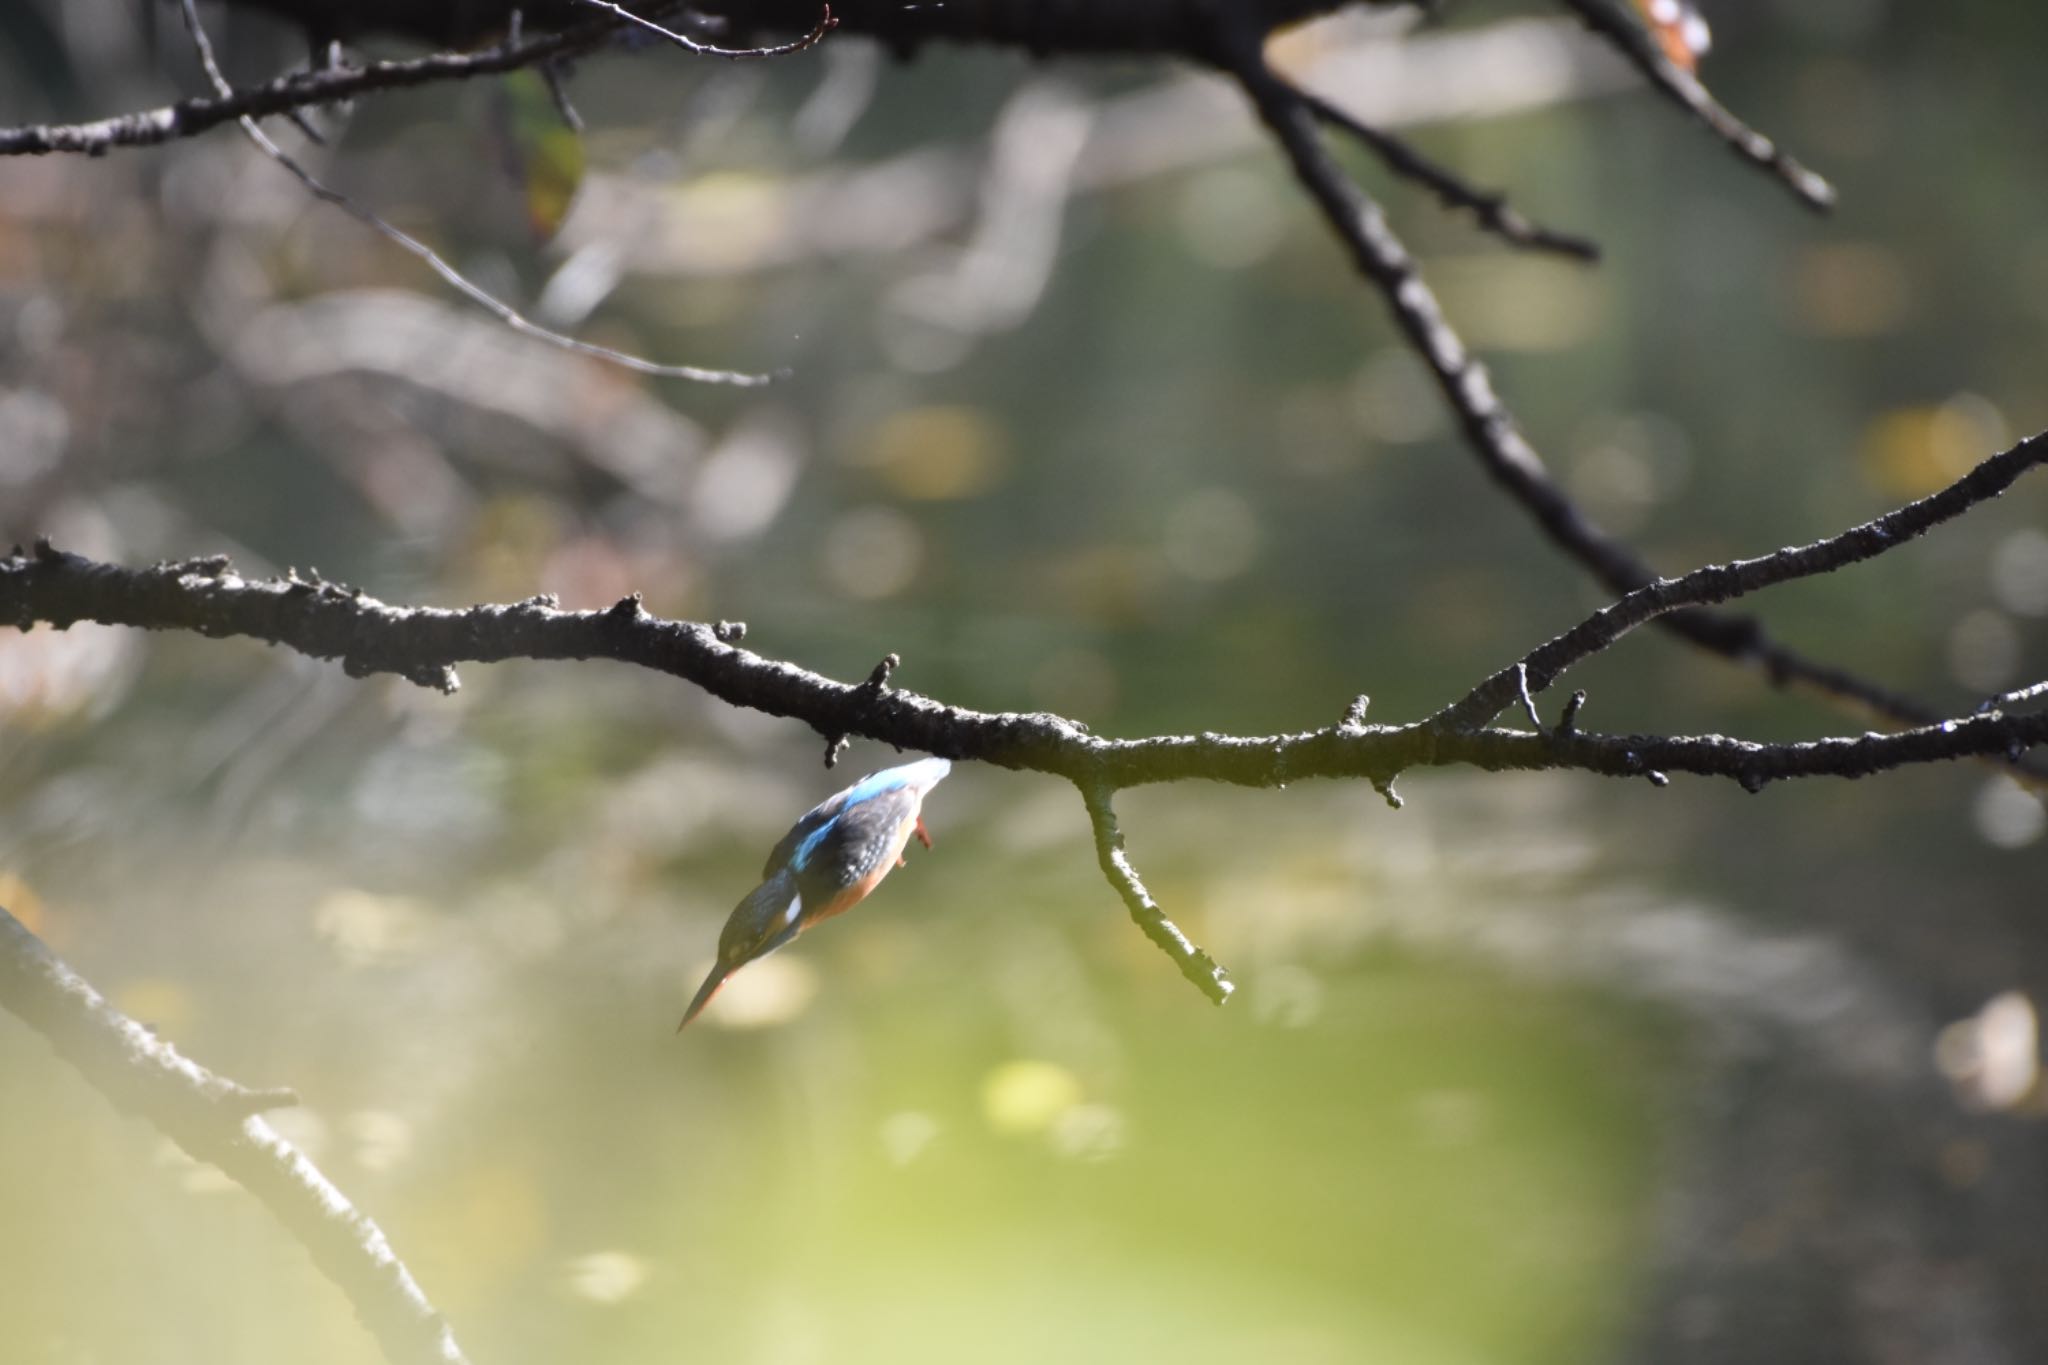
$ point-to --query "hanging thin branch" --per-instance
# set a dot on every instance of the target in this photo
(434, 261)
(220, 1122)
(1206, 974)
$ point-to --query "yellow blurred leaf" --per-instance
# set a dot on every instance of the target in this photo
(1850, 289)
(156, 1001)
(542, 152)
(1910, 452)
(20, 900)
(935, 453)
(488, 1224)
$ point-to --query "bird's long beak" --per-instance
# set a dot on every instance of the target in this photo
(704, 994)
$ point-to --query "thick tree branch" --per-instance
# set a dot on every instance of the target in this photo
(1198, 967)
(220, 1122)
(328, 621)
(1159, 28)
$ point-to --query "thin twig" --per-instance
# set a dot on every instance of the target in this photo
(218, 1121)
(826, 23)
(2018, 694)
(1713, 583)
(1197, 966)
(461, 283)
(1492, 209)
(1684, 89)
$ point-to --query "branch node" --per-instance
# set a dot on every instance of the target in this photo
(1657, 779)
(878, 678)
(1752, 780)
(440, 677)
(1568, 721)
(46, 552)
(627, 608)
(1385, 787)
(835, 745)
(729, 632)
(1354, 714)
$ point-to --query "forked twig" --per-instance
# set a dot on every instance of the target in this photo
(461, 283)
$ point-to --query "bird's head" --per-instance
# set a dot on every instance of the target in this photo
(769, 917)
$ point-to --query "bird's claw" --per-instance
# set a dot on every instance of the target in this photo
(923, 835)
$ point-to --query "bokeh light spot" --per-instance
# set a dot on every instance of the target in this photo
(872, 552)
(935, 453)
(605, 1277)
(905, 1135)
(1983, 651)
(762, 994)
(2019, 572)
(2008, 815)
(1027, 1097)
(1231, 217)
(1211, 535)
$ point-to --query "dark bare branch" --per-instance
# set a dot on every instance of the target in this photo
(1492, 209)
(1490, 428)
(1683, 88)
(1159, 28)
(220, 1122)
(1723, 582)
(423, 644)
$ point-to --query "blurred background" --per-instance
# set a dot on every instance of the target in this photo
(1087, 414)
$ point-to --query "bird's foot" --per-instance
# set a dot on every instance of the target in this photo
(923, 835)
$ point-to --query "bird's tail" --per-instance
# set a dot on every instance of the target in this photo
(704, 993)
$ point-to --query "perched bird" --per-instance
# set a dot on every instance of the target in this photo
(828, 862)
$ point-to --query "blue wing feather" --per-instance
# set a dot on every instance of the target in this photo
(816, 828)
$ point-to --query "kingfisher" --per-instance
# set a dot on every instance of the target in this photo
(827, 863)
